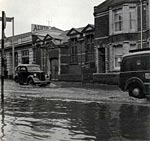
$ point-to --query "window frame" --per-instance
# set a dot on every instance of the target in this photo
(133, 9)
(117, 21)
(74, 51)
(25, 56)
(117, 56)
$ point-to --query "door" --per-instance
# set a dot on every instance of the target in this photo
(102, 60)
(54, 69)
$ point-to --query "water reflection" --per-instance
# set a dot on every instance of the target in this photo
(134, 122)
(39, 118)
(2, 135)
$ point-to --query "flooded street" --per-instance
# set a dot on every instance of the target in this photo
(72, 114)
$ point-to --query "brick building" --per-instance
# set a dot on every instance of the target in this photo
(81, 53)
(118, 27)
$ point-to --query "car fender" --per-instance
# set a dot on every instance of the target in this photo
(30, 77)
(134, 80)
(16, 76)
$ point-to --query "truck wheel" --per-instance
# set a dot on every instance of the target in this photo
(135, 90)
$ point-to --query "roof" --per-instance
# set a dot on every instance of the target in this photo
(64, 36)
(19, 39)
(76, 31)
(80, 30)
(27, 65)
(55, 34)
(137, 53)
(89, 27)
(104, 6)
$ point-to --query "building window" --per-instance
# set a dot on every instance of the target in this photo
(132, 18)
(117, 61)
(25, 56)
(44, 59)
(117, 56)
(118, 23)
(74, 51)
(34, 55)
(89, 49)
(133, 46)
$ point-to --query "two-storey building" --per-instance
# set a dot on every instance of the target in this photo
(120, 26)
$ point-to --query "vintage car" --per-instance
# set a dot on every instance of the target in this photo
(135, 74)
(31, 74)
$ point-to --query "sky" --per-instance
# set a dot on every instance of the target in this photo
(63, 14)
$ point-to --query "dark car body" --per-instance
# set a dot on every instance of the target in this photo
(135, 74)
(31, 74)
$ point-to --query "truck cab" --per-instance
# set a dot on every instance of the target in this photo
(135, 74)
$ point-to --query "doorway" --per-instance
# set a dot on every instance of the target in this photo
(102, 60)
(54, 68)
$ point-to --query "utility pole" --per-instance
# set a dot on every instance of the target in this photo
(141, 13)
(4, 20)
(13, 50)
(2, 55)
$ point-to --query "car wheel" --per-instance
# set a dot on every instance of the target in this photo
(20, 81)
(16, 79)
(30, 81)
(135, 90)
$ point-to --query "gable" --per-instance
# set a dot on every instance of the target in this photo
(72, 32)
(36, 38)
(47, 37)
(88, 28)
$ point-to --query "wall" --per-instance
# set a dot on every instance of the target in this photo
(75, 69)
(106, 78)
(69, 77)
(102, 25)
(64, 60)
(9, 63)
(30, 55)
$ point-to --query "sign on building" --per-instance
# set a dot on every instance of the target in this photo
(37, 28)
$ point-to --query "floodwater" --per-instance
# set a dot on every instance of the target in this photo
(26, 117)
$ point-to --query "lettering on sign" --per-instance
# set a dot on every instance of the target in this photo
(35, 28)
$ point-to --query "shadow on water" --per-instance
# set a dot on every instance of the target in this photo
(34, 118)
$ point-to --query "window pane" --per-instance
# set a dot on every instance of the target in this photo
(132, 18)
(118, 20)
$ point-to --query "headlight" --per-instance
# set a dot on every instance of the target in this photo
(46, 76)
(34, 75)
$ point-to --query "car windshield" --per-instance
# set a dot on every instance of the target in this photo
(33, 68)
